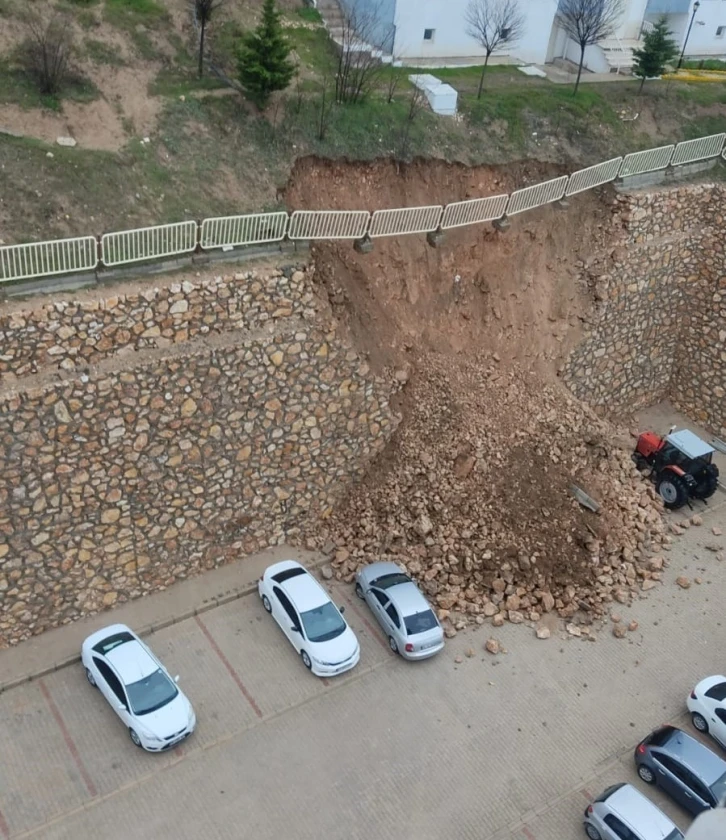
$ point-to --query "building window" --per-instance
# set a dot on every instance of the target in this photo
(720, 31)
(505, 32)
(429, 34)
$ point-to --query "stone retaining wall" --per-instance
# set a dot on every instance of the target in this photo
(659, 319)
(152, 466)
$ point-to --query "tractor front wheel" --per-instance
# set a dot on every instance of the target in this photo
(672, 489)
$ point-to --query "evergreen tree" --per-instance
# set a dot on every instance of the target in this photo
(658, 50)
(262, 58)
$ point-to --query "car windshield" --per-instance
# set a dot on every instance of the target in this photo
(323, 623)
(676, 834)
(151, 693)
(718, 788)
(393, 579)
(420, 622)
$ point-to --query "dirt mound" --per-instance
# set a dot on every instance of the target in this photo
(473, 496)
(517, 294)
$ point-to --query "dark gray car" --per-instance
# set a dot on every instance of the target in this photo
(686, 770)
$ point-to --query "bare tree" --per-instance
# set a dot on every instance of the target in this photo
(326, 108)
(492, 24)
(359, 67)
(587, 22)
(46, 52)
(203, 10)
(416, 103)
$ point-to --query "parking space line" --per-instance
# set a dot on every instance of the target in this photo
(4, 830)
(72, 749)
(235, 676)
(586, 793)
(374, 632)
(528, 834)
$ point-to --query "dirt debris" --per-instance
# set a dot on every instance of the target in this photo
(505, 538)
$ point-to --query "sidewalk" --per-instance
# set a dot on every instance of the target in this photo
(58, 648)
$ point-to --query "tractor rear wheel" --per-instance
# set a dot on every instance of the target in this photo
(672, 489)
(707, 485)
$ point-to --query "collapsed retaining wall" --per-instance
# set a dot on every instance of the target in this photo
(139, 469)
(660, 317)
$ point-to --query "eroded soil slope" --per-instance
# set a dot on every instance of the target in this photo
(474, 493)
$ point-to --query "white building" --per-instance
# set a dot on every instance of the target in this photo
(433, 32)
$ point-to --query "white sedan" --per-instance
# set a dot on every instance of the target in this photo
(707, 705)
(138, 688)
(313, 624)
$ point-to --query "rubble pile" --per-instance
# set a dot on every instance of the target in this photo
(476, 495)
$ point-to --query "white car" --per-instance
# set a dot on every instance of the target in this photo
(310, 620)
(138, 687)
(707, 705)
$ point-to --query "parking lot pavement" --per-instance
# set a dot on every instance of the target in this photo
(493, 748)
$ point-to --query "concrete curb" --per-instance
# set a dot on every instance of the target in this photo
(148, 629)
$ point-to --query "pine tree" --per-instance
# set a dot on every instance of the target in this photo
(658, 50)
(262, 58)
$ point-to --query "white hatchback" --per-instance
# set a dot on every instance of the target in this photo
(138, 688)
(707, 705)
(313, 624)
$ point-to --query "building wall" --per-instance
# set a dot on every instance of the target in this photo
(703, 40)
(450, 37)
(377, 18)
(234, 414)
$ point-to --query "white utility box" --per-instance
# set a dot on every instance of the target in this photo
(441, 97)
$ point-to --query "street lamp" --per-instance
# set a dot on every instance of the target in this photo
(690, 26)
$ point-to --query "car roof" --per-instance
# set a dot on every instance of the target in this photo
(640, 813)
(695, 756)
(305, 592)
(708, 684)
(282, 566)
(132, 661)
(408, 598)
(690, 445)
(376, 570)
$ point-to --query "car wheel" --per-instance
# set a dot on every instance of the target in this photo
(359, 592)
(135, 738)
(592, 832)
(91, 680)
(392, 644)
(699, 721)
(266, 604)
(307, 662)
(646, 774)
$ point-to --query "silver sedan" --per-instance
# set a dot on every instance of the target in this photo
(402, 611)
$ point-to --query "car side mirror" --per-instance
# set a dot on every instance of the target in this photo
(295, 629)
(176, 678)
(342, 610)
(120, 705)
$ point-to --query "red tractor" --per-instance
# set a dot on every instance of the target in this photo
(680, 464)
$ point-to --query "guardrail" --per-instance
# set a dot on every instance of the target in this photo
(86, 253)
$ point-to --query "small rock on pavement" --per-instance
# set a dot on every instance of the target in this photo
(633, 626)
(449, 632)
(696, 519)
(713, 546)
(469, 652)
(720, 555)
(683, 582)
(458, 659)
(619, 631)
(615, 618)
(648, 584)
(716, 531)
(515, 616)
(498, 620)
(543, 633)
(65, 141)
(492, 646)
(573, 630)
(327, 572)
(697, 580)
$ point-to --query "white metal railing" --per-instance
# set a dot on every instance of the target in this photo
(251, 229)
(593, 176)
(537, 195)
(474, 211)
(408, 220)
(128, 246)
(65, 256)
(328, 224)
(702, 148)
(45, 259)
(650, 160)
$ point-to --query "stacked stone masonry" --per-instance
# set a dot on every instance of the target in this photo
(660, 316)
(150, 466)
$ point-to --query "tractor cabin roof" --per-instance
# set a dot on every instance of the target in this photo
(689, 444)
